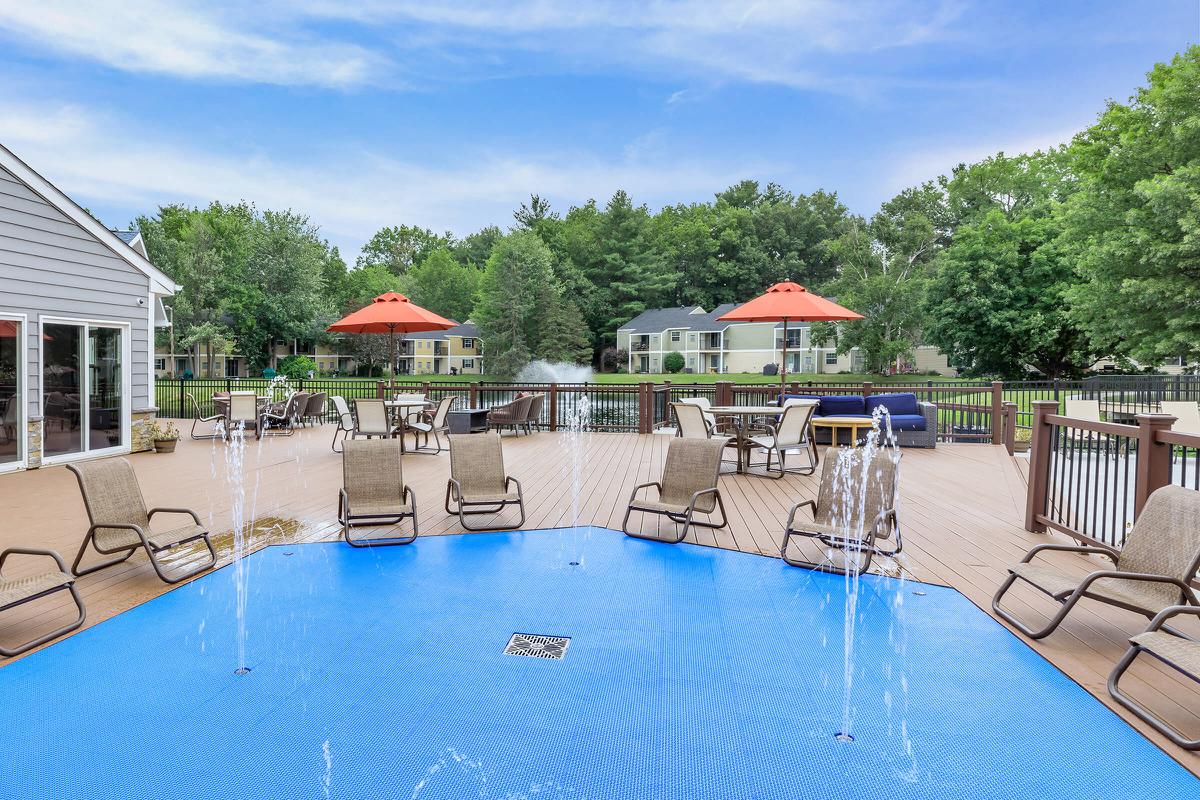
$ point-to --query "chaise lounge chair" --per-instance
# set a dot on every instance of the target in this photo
(18, 591)
(1160, 556)
(1179, 653)
(855, 531)
(688, 487)
(120, 521)
(373, 492)
(478, 483)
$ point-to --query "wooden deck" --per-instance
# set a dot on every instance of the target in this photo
(961, 510)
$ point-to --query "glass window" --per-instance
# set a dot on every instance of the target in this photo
(160, 363)
(468, 343)
(83, 399)
(674, 336)
(104, 388)
(11, 435)
(61, 388)
(468, 363)
(831, 357)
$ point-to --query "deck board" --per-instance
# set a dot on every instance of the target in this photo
(961, 509)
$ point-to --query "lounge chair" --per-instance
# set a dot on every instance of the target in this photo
(411, 413)
(688, 486)
(1186, 413)
(690, 421)
(1177, 652)
(120, 522)
(314, 409)
(790, 434)
(432, 423)
(511, 414)
(345, 420)
(372, 419)
(855, 529)
(243, 412)
(281, 420)
(478, 483)
(215, 420)
(373, 491)
(705, 406)
(1151, 572)
(533, 414)
(18, 591)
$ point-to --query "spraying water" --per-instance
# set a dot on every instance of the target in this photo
(235, 473)
(554, 372)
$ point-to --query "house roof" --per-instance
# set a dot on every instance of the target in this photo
(159, 282)
(467, 330)
(693, 318)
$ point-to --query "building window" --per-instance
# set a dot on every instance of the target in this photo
(160, 364)
(831, 358)
(468, 343)
(674, 336)
(468, 363)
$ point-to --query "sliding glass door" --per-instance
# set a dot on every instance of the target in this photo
(83, 398)
(12, 398)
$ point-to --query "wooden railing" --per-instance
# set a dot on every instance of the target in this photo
(1090, 479)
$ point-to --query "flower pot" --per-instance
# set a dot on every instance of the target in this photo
(165, 445)
(1020, 446)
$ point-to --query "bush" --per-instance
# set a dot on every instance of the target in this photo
(297, 367)
(613, 359)
(673, 362)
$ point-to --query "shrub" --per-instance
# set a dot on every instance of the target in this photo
(297, 367)
(673, 362)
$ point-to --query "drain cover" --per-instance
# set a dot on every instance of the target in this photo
(535, 646)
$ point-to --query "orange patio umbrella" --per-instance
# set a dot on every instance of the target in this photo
(789, 302)
(391, 313)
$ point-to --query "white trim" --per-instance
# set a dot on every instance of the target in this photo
(22, 393)
(85, 388)
(159, 282)
(152, 337)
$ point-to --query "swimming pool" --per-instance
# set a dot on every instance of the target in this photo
(691, 672)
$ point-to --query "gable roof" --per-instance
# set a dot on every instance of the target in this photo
(133, 239)
(159, 282)
(693, 318)
(467, 330)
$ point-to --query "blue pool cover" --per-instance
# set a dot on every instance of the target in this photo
(691, 673)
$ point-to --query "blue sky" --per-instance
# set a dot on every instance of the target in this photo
(449, 114)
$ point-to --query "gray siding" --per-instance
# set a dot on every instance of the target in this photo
(49, 265)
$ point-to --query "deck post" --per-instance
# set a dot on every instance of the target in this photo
(997, 412)
(380, 392)
(1039, 464)
(1153, 458)
(867, 386)
(1010, 427)
(473, 395)
(724, 396)
(554, 406)
(645, 424)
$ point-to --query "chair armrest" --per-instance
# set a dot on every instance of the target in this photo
(30, 551)
(887, 516)
(812, 504)
(187, 511)
(125, 526)
(697, 495)
(510, 479)
(640, 486)
(1092, 577)
(1171, 611)
(1069, 548)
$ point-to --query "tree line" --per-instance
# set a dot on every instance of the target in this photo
(1035, 262)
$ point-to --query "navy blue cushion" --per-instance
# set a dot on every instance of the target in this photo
(784, 397)
(841, 405)
(908, 422)
(897, 404)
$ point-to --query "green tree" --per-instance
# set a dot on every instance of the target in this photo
(636, 276)
(474, 249)
(1133, 229)
(562, 332)
(513, 289)
(443, 285)
(673, 362)
(400, 247)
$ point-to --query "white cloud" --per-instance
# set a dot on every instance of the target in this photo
(186, 40)
(101, 161)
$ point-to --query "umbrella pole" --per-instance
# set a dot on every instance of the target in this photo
(392, 367)
(783, 367)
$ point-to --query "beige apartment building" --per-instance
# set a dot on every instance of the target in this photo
(456, 351)
(710, 345)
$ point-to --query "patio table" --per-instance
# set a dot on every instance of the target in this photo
(744, 415)
(835, 424)
(400, 411)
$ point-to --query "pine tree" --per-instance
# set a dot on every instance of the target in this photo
(512, 290)
(562, 332)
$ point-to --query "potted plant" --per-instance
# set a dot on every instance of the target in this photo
(165, 436)
(1021, 439)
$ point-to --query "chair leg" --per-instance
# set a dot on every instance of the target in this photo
(1137, 708)
(158, 568)
(79, 619)
(89, 539)
(1011, 619)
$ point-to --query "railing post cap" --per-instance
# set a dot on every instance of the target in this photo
(1155, 420)
(1045, 403)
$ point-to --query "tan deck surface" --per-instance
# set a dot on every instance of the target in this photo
(961, 510)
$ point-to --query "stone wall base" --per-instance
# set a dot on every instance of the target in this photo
(33, 443)
(140, 436)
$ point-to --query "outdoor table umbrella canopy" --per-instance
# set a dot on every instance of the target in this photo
(789, 302)
(391, 313)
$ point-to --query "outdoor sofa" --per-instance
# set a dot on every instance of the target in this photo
(914, 423)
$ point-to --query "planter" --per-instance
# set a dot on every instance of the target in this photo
(1020, 447)
(165, 445)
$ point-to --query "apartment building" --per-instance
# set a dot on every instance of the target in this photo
(711, 345)
(455, 351)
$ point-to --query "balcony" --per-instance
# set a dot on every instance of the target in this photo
(639, 347)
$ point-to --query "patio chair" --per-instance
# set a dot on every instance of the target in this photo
(120, 522)
(511, 414)
(1186, 413)
(373, 491)
(1086, 410)
(412, 414)
(243, 411)
(533, 415)
(1151, 572)
(691, 421)
(282, 420)
(18, 591)
(345, 420)
(855, 528)
(790, 434)
(8, 420)
(373, 419)
(688, 486)
(432, 423)
(705, 406)
(478, 483)
(215, 420)
(314, 409)
(1177, 652)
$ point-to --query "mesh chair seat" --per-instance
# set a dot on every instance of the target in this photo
(826, 529)
(705, 504)
(477, 478)
(503, 497)
(1182, 653)
(17, 590)
(371, 509)
(1140, 594)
